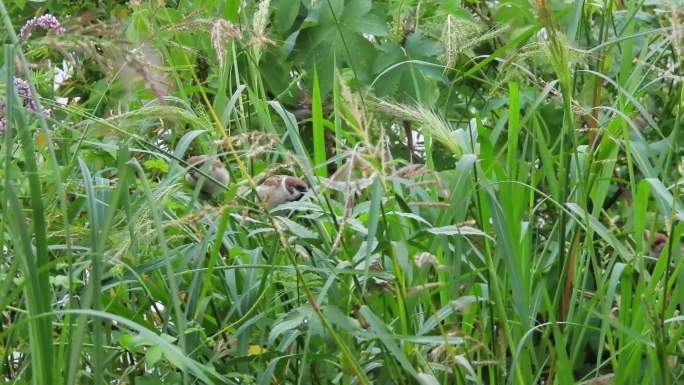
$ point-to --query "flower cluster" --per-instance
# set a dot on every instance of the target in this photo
(46, 21)
(222, 30)
(24, 91)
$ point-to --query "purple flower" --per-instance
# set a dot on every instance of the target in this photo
(24, 91)
(46, 21)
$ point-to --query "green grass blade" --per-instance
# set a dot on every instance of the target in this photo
(318, 129)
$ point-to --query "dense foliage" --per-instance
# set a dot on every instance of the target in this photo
(489, 185)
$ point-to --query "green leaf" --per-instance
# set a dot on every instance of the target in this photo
(318, 129)
(600, 229)
(340, 319)
(297, 229)
(336, 33)
(402, 68)
(377, 326)
(427, 379)
(148, 380)
(153, 355)
(291, 321)
(373, 220)
(370, 24)
(286, 12)
(458, 230)
(156, 165)
(418, 47)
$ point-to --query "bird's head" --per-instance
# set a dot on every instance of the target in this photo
(295, 187)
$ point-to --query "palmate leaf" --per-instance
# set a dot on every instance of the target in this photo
(328, 28)
(410, 80)
(285, 14)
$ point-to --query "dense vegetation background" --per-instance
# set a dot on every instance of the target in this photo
(481, 173)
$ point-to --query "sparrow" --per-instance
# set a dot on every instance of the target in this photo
(659, 243)
(217, 172)
(279, 189)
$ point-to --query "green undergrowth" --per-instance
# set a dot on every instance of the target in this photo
(485, 182)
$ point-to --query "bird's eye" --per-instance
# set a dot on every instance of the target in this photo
(296, 190)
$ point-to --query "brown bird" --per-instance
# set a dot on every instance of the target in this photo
(279, 189)
(217, 171)
(659, 243)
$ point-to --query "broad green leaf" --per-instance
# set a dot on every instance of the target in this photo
(286, 12)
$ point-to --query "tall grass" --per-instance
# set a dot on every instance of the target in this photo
(512, 254)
